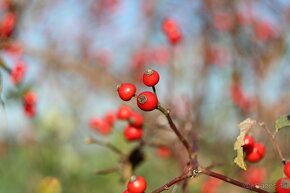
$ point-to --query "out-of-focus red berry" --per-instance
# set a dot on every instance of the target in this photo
(163, 152)
(263, 31)
(30, 98)
(100, 126)
(18, 72)
(124, 112)
(210, 185)
(133, 133)
(29, 110)
(136, 120)
(172, 31)
(110, 118)
(7, 24)
(254, 176)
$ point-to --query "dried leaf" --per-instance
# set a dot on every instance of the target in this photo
(282, 121)
(244, 126)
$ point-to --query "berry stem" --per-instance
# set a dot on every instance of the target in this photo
(172, 125)
(274, 142)
(154, 90)
(108, 145)
(254, 188)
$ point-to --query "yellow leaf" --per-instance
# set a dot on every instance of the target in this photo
(244, 126)
(49, 185)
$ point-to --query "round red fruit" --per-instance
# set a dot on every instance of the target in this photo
(137, 184)
(150, 77)
(124, 112)
(133, 133)
(147, 101)
(126, 91)
(136, 120)
(287, 169)
(256, 154)
(283, 185)
(248, 143)
(126, 191)
(30, 98)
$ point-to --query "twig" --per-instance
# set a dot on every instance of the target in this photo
(107, 171)
(254, 188)
(108, 145)
(172, 125)
(274, 142)
(176, 180)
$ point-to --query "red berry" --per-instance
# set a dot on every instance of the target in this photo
(29, 110)
(124, 112)
(254, 176)
(133, 133)
(137, 184)
(100, 126)
(163, 152)
(150, 77)
(126, 191)
(110, 118)
(95, 122)
(7, 24)
(256, 154)
(126, 91)
(248, 143)
(18, 72)
(283, 185)
(287, 169)
(30, 98)
(136, 120)
(172, 31)
(147, 101)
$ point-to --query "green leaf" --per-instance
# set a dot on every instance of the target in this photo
(244, 126)
(282, 121)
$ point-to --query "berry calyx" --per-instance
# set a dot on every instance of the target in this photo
(124, 112)
(137, 184)
(257, 153)
(283, 185)
(126, 91)
(133, 133)
(147, 101)
(150, 77)
(136, 120)
(287, 169)
(248, 143)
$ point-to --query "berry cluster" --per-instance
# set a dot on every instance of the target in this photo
(147, 100)
(283, 184)
(29, 103)
(137, 184)
(132, 132)
(254, 151)
(172, 31)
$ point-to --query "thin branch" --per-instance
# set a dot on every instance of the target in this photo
(172, 125)
(176, 180)
(107, 170)
(108, 145)
(254, 188)
(274, 142)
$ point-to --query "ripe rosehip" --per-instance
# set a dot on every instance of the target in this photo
(248, 143)
(287, 169)
(137, 184)
(17, 72)
(7, 24)
(124, 112)
(100, 126)
(95, 122)
(257, 153)
(29, 110)
(147, 101)
(110, 118)
(172, 31)
(126, 91)
(126, 191)
(136, 120)
(133, 133)
(283, 185)
(150, 77)
(163, 152)
(254, 176)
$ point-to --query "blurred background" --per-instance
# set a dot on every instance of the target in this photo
(228, 61)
